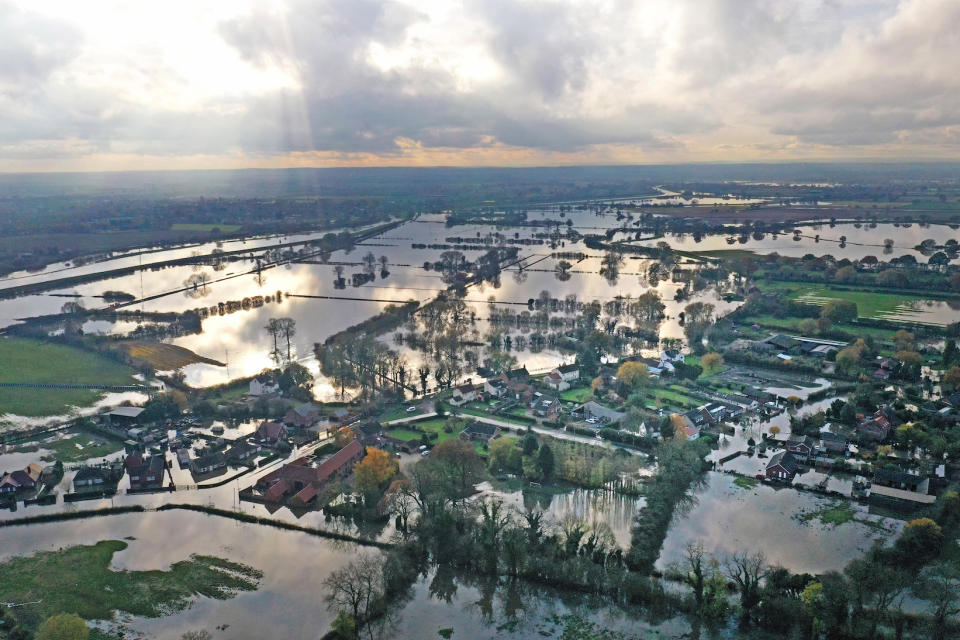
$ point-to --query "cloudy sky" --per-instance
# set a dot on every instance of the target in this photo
(102, 85)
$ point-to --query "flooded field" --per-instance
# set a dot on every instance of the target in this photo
(861, 241)
(729, 518)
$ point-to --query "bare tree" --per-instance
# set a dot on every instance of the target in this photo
(357, 588)
(288, 329)
(694, 559)
(746, 570)
(273, 328)
(941, 590)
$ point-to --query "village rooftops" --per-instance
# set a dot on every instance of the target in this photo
(784, 459)
(568, 368)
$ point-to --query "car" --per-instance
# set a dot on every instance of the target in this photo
(591, 421)
(411, 409)
(425, 453)
(423, 447)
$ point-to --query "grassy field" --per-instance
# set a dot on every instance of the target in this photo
(790, 325)
(79, 580)
(404, 434)
(28, 360)
(869, 305)
(164, 357)
(188, 226)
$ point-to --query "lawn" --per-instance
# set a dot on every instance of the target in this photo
(433, 425)
(395, 413)
(29, 360)
(404, 434)
(576, 394)
(190, 226)
(79, 580)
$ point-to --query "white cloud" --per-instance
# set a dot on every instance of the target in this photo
(529, 81)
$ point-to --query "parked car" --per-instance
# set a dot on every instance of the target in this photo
(411, 409)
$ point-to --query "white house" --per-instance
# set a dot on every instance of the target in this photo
(569, 372)
(555, 380)
(264, 385)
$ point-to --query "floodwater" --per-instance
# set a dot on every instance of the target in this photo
(730, 519)
(861, 242)
(289, 601)
(240, 341)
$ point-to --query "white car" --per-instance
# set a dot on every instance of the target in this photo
(411, 409)
(591, 421)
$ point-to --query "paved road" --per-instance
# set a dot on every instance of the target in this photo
(562, 435)
(413, 418)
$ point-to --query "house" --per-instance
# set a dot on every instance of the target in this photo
(264, 385)
(21, 480)
(304, 416)
(208, 463)
(90, 477)
(782, 466)
(691, 432)
(270, 433)
(569, 372)
(671, 355)
(342, 416)
(822, 350)
(517, 375)
(480, 431)
(877, 427)
(655, 367)
(368, 433)
(495, 388)
(603, 414)
(397, 444)
(899, 499)
(800, 445)
(544, 406)
(555, 381)
(302, 482)
(698, 417)
(833, 443)
(124, 416)
(243, 450)
(898, 479)
(463, 394)
(146, 473)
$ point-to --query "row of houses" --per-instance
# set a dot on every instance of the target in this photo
(297, 483)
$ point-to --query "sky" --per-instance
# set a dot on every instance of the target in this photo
(200, 84)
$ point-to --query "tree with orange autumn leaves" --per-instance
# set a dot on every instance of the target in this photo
(373, 472)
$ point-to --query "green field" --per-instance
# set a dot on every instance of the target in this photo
(880, 306)
(405, 434)
(790, 325)
(187, 226)
(28, 360)
(80, 580)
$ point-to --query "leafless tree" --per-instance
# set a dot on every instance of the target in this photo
(357, 588)
(746, 571)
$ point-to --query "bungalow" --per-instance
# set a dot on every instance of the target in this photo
(243, 450)
(264, 385)
(90, 477)
(801, 446)
(898, 479)
(270, 433)
(208, 463)
(302, 482)
(304, 416)
(603, 414)
(146, 473)
(555, 381)
(480, 431)
(782, 466)
(463, 394)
